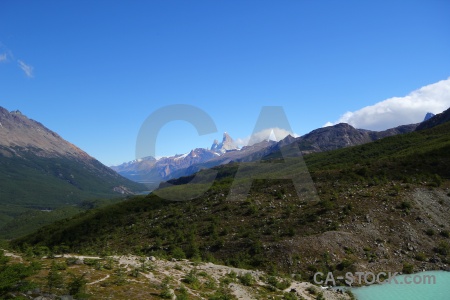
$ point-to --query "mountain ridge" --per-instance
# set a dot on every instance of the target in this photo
(321, 139)
(435, 120)
(18, 131)
(39, 170)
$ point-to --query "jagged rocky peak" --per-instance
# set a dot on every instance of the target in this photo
(215, 145)
(428, 116)
(227, 144)
(16, 112)
(289, 139)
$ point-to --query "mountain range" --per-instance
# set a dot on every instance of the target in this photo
(152, 171)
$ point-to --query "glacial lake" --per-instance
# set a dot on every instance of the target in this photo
(424, 290)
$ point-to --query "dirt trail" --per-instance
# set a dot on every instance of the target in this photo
(97, 281)
(12, 255)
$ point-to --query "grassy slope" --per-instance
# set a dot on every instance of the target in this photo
(366, 198)
(38, 182)
(31, 183)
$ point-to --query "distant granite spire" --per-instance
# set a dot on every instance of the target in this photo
(227, 144)
(428, 116)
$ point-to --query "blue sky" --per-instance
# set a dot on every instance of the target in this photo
(94, 70)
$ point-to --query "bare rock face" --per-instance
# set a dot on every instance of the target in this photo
(215, 146)
(19, 133)
(227, 144)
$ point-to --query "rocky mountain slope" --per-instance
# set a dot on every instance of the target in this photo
(344, 135)
(39, 170)
(19, 135)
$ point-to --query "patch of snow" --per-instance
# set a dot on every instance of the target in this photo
(181, 156)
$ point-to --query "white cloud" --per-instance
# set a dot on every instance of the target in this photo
(397, 111)
(275, 134)
(26, 68)
(3, 57)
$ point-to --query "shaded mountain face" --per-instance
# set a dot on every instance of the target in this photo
(435, 120)
(333, 137)
(344, 135)
(428, 116)
(40, 169)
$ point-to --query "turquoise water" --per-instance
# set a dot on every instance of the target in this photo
(421, 291)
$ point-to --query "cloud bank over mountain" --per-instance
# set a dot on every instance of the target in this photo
(274, 134)
(397, 111)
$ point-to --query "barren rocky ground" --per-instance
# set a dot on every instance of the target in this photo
(110, 278)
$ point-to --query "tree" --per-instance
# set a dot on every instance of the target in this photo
(54, 279)
(77, 286)
(13, 276)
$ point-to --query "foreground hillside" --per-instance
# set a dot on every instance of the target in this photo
(140, 277)
(383, 206)
(40, 172)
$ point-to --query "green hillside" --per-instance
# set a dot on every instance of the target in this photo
(29, 184)
(383, 205)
